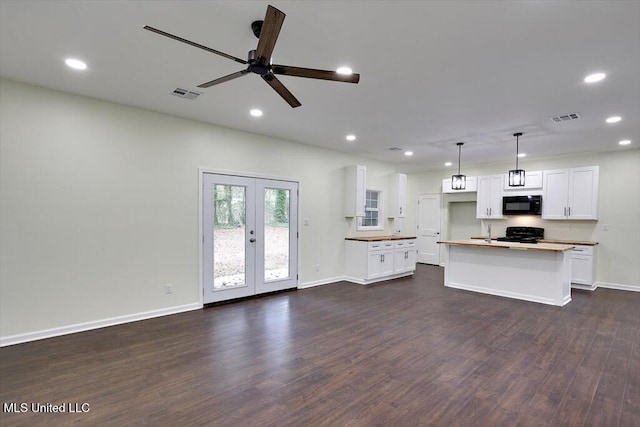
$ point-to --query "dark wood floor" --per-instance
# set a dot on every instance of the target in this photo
(409, 352)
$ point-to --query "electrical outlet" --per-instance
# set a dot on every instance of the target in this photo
(605, 227)
(168, 288)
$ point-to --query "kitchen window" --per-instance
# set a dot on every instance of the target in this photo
(373, 212)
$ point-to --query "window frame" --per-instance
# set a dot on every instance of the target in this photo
(379, 209)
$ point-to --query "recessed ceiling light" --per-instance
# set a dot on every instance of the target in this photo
(350, 137)
(255, 112)
(76, 64)
(595, 77)
(625, 142)
(448, 164)
(522, 155)
(614, 119)
(408, 153)
(344, 70)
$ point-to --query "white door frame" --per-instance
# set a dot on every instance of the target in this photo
(201, 172)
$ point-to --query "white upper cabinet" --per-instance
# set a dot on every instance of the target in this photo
(571, 193)
(397, 196)
(355, 178)
(489, 204)
(532, 184)
(471, 187)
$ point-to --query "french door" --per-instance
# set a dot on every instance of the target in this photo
(250, 236)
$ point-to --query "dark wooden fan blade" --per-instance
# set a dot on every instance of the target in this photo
(273, 20)
(314, 74)
(224, 79)
(282, 91)
(189, 42)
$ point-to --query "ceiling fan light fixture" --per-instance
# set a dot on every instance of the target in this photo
(516, 176)
(459, 182)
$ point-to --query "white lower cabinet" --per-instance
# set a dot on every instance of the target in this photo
(583, 267)
(370, 262)
(379, 260)
(404, 260)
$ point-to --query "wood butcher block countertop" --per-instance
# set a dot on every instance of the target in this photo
(550, 247)
(569, 242)
(379, 238)
(558, 241)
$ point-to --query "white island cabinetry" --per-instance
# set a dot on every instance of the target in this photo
(531, 272)
(373, 259)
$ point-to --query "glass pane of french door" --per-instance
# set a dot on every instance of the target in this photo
(229, 236)
(276, 234)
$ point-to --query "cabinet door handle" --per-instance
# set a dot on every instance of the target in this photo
(569, 210)
(565, 211)
(400, 210)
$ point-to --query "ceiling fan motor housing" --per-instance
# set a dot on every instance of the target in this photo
(257, 66)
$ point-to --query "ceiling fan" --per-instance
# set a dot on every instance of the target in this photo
(259, 60)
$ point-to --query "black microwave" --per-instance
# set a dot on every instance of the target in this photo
(522, 205)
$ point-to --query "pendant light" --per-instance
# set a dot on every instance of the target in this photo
(459, 182)
(516, 176)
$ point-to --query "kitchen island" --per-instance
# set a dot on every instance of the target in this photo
(532, 272)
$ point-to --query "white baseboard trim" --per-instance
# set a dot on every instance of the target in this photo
(361, 281)
(508, 294)
(584, 287)
(103, 323)
(618, 286)
(321, 282)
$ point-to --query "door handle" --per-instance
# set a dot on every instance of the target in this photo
(252, 240)
(569, 210)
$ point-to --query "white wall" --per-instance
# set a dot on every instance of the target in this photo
(99, 205)
(619, 208)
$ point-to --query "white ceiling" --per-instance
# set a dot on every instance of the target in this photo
(432, 72)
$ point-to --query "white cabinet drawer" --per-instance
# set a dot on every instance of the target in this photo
(376, 246)
(405, 243)
(582, 250)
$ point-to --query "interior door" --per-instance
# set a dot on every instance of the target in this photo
(429, 228)
(249, 237)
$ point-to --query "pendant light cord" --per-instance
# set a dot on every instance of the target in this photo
(459, 154)
(517, 135)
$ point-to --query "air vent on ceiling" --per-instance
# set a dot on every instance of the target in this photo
(395, 149)
(186, 94)
(566, 117)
